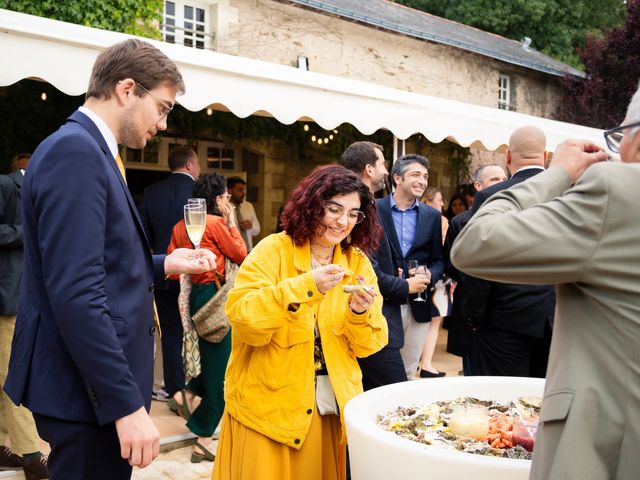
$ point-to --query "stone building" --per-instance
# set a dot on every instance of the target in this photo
(367, 47)
(375, 41)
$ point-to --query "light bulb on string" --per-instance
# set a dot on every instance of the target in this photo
(43, 96)
(306, 127)
(209, 112)
(313, 138)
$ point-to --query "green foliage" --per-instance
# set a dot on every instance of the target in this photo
(137, 17)
(557, 27)
(612, 64)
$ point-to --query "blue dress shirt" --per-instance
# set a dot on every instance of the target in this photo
(405, 222)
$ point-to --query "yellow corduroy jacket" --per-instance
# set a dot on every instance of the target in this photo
(270, 378)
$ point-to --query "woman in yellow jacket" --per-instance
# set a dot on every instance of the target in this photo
(297, 333)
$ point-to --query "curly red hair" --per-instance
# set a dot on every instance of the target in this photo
(304, 211)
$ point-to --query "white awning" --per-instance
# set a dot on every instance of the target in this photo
(63, 53)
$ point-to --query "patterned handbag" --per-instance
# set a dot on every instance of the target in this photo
(210, 321)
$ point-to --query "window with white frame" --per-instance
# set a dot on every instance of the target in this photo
(504, 92)
(221, 157)
(186, 23)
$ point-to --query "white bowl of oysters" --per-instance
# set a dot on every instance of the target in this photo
(444, 428)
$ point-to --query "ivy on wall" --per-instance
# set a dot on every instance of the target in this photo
(137, 17)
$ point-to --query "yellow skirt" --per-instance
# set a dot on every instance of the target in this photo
(244, 454)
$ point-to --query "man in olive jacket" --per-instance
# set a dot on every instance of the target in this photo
(585, 239)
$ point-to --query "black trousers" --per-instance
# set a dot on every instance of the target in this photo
(504, 353)
(382, 368)
(171, 325)
(82, 451)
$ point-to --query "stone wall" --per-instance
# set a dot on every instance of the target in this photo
(279, 32)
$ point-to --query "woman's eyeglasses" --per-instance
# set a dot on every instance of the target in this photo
(335, 211)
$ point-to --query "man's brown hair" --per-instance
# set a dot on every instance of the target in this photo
(134, 59)
(179, 156)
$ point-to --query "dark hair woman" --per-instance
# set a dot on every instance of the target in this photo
(222, 237)
(297, 333)
(457, 205)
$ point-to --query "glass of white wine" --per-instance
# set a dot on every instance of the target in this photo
(195, 218)
(417, 270)
(197, 201)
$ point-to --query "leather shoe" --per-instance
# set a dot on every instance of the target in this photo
(428, 374)
(36, 468)
(9, 460)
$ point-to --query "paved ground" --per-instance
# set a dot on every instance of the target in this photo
(176, 464)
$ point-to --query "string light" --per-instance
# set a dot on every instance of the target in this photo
(313, 138)
(209, 112)
(331, 137)
(326, 140)
(306, 127)
(43, 96)
(319, 141)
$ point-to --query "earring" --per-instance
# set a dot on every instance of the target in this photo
(348, 239)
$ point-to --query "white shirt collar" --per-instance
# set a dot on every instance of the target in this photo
(105, 131)
(184, 173)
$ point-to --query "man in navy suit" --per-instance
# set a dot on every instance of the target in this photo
(161, 208)
(82, 353)
(511, 323)
(385, 366)
(414, 232)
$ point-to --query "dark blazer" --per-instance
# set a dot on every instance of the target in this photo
(427, 247)
(523, 309)
(394, 290)
(83, 343)
(459, 338)
(162, 207)
(10, 242)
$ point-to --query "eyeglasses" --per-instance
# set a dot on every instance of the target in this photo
(165, 109)
(336, 211)
(614, 136)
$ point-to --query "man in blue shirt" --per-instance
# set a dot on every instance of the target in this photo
(415, 233)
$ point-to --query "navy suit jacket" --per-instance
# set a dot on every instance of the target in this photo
(161, 208)
(83, 343)
(426, 248)
(10, 242)
(523, 309)
(394, 290)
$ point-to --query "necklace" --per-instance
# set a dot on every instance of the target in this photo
(320, 260)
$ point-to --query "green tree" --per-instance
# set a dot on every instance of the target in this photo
(557, 27)
(612, 65)
(137, 17)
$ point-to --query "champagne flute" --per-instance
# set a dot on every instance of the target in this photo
(416, 270)
(195, 217)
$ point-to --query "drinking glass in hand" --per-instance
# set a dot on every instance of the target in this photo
(416, 270)
(195, 217)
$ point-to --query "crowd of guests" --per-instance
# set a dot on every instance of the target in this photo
(349, 296)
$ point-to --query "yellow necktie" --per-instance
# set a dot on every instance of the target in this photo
(121, 167)
(124, 177)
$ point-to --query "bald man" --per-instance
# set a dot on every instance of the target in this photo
(511, 324)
